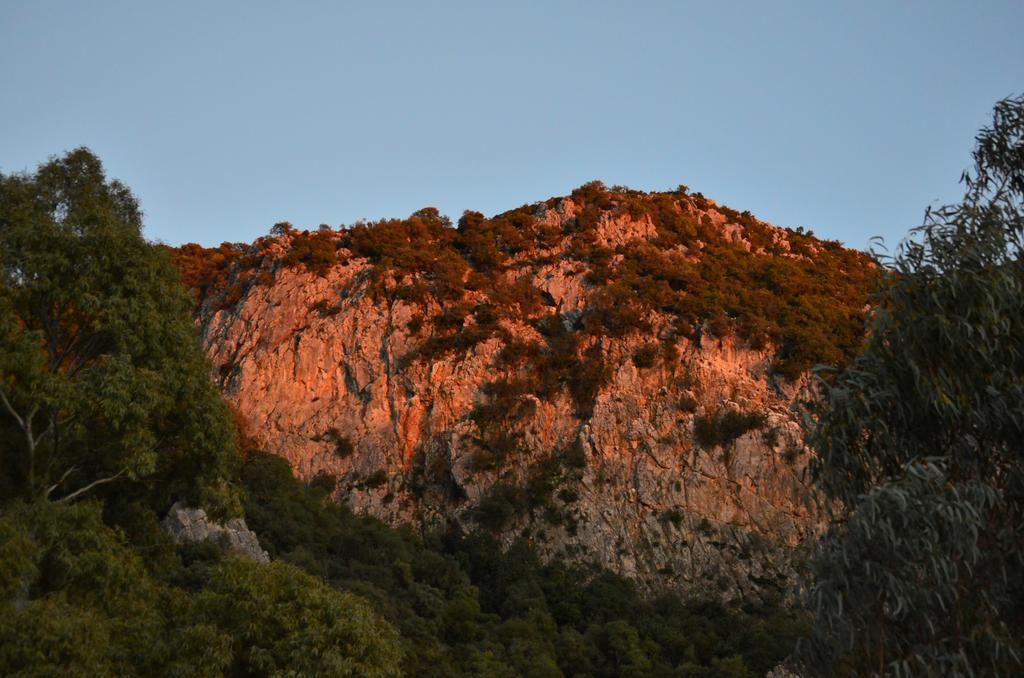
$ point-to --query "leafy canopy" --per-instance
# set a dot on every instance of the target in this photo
(76, 596)
(464, 606)
(101, 378)
(105, 394)
(920, 446)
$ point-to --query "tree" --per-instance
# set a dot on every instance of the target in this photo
(76, 598)
(283, 621)
(920, 447)
(101, 376)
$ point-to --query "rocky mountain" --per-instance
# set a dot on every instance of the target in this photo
(612, 375)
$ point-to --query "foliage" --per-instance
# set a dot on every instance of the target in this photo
(343, 447)
(80, 597)
(282, 620)
(316, 251)
(85, 602)
(724, 427)
(462, 606)
(205, 270)
(101, 378)
(645, 356)
(785, 287)
(919, 447)
(104, 386)
(706, 268)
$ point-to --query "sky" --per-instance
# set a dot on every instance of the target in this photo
(847, 118)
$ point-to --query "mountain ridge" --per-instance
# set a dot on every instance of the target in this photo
(613, 375)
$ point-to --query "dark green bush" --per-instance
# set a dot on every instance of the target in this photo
(586, 378)
(722, 428)
(687, 403)
(672, 515)
(324, 482)
(498, 507)
(646, 356)
(317, 251)
(343, 447)
(376, 479)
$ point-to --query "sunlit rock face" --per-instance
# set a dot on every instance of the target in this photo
(681, 466)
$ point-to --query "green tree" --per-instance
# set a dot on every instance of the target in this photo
(75, 597)
(283, 621)
(920, 447)
(618, 650)
(101, 378)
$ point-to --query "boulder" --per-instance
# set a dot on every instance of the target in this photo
(187, 524)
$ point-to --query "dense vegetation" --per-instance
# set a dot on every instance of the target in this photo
(722, 428)
(100, 382)
(100, 590)
(920, 447)
(109, 417)
(463, 607)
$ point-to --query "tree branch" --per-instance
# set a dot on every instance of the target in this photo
(10, 408)
(64, 477)
(91, 485)
(83, 354)
(31, 440)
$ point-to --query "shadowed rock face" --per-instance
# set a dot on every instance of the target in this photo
(186, 524)
(684, 468)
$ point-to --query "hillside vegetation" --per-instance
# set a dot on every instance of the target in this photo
(611, 375)
(708, 270)
(109, 417)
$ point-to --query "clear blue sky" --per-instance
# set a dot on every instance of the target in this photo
(844, 117)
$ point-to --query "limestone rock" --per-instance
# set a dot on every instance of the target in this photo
(645, 500)
(781, 671)
(186, 524)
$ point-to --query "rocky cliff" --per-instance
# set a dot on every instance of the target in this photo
(612, 375)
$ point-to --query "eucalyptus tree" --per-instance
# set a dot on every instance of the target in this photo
(101, 377)
(920, 447)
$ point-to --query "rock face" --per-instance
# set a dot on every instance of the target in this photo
(782, 671)
(682, 468)
(186, 524)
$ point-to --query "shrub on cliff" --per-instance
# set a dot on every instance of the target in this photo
(205, 270)
(723, 428)
(645, 357)
(316, 251)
